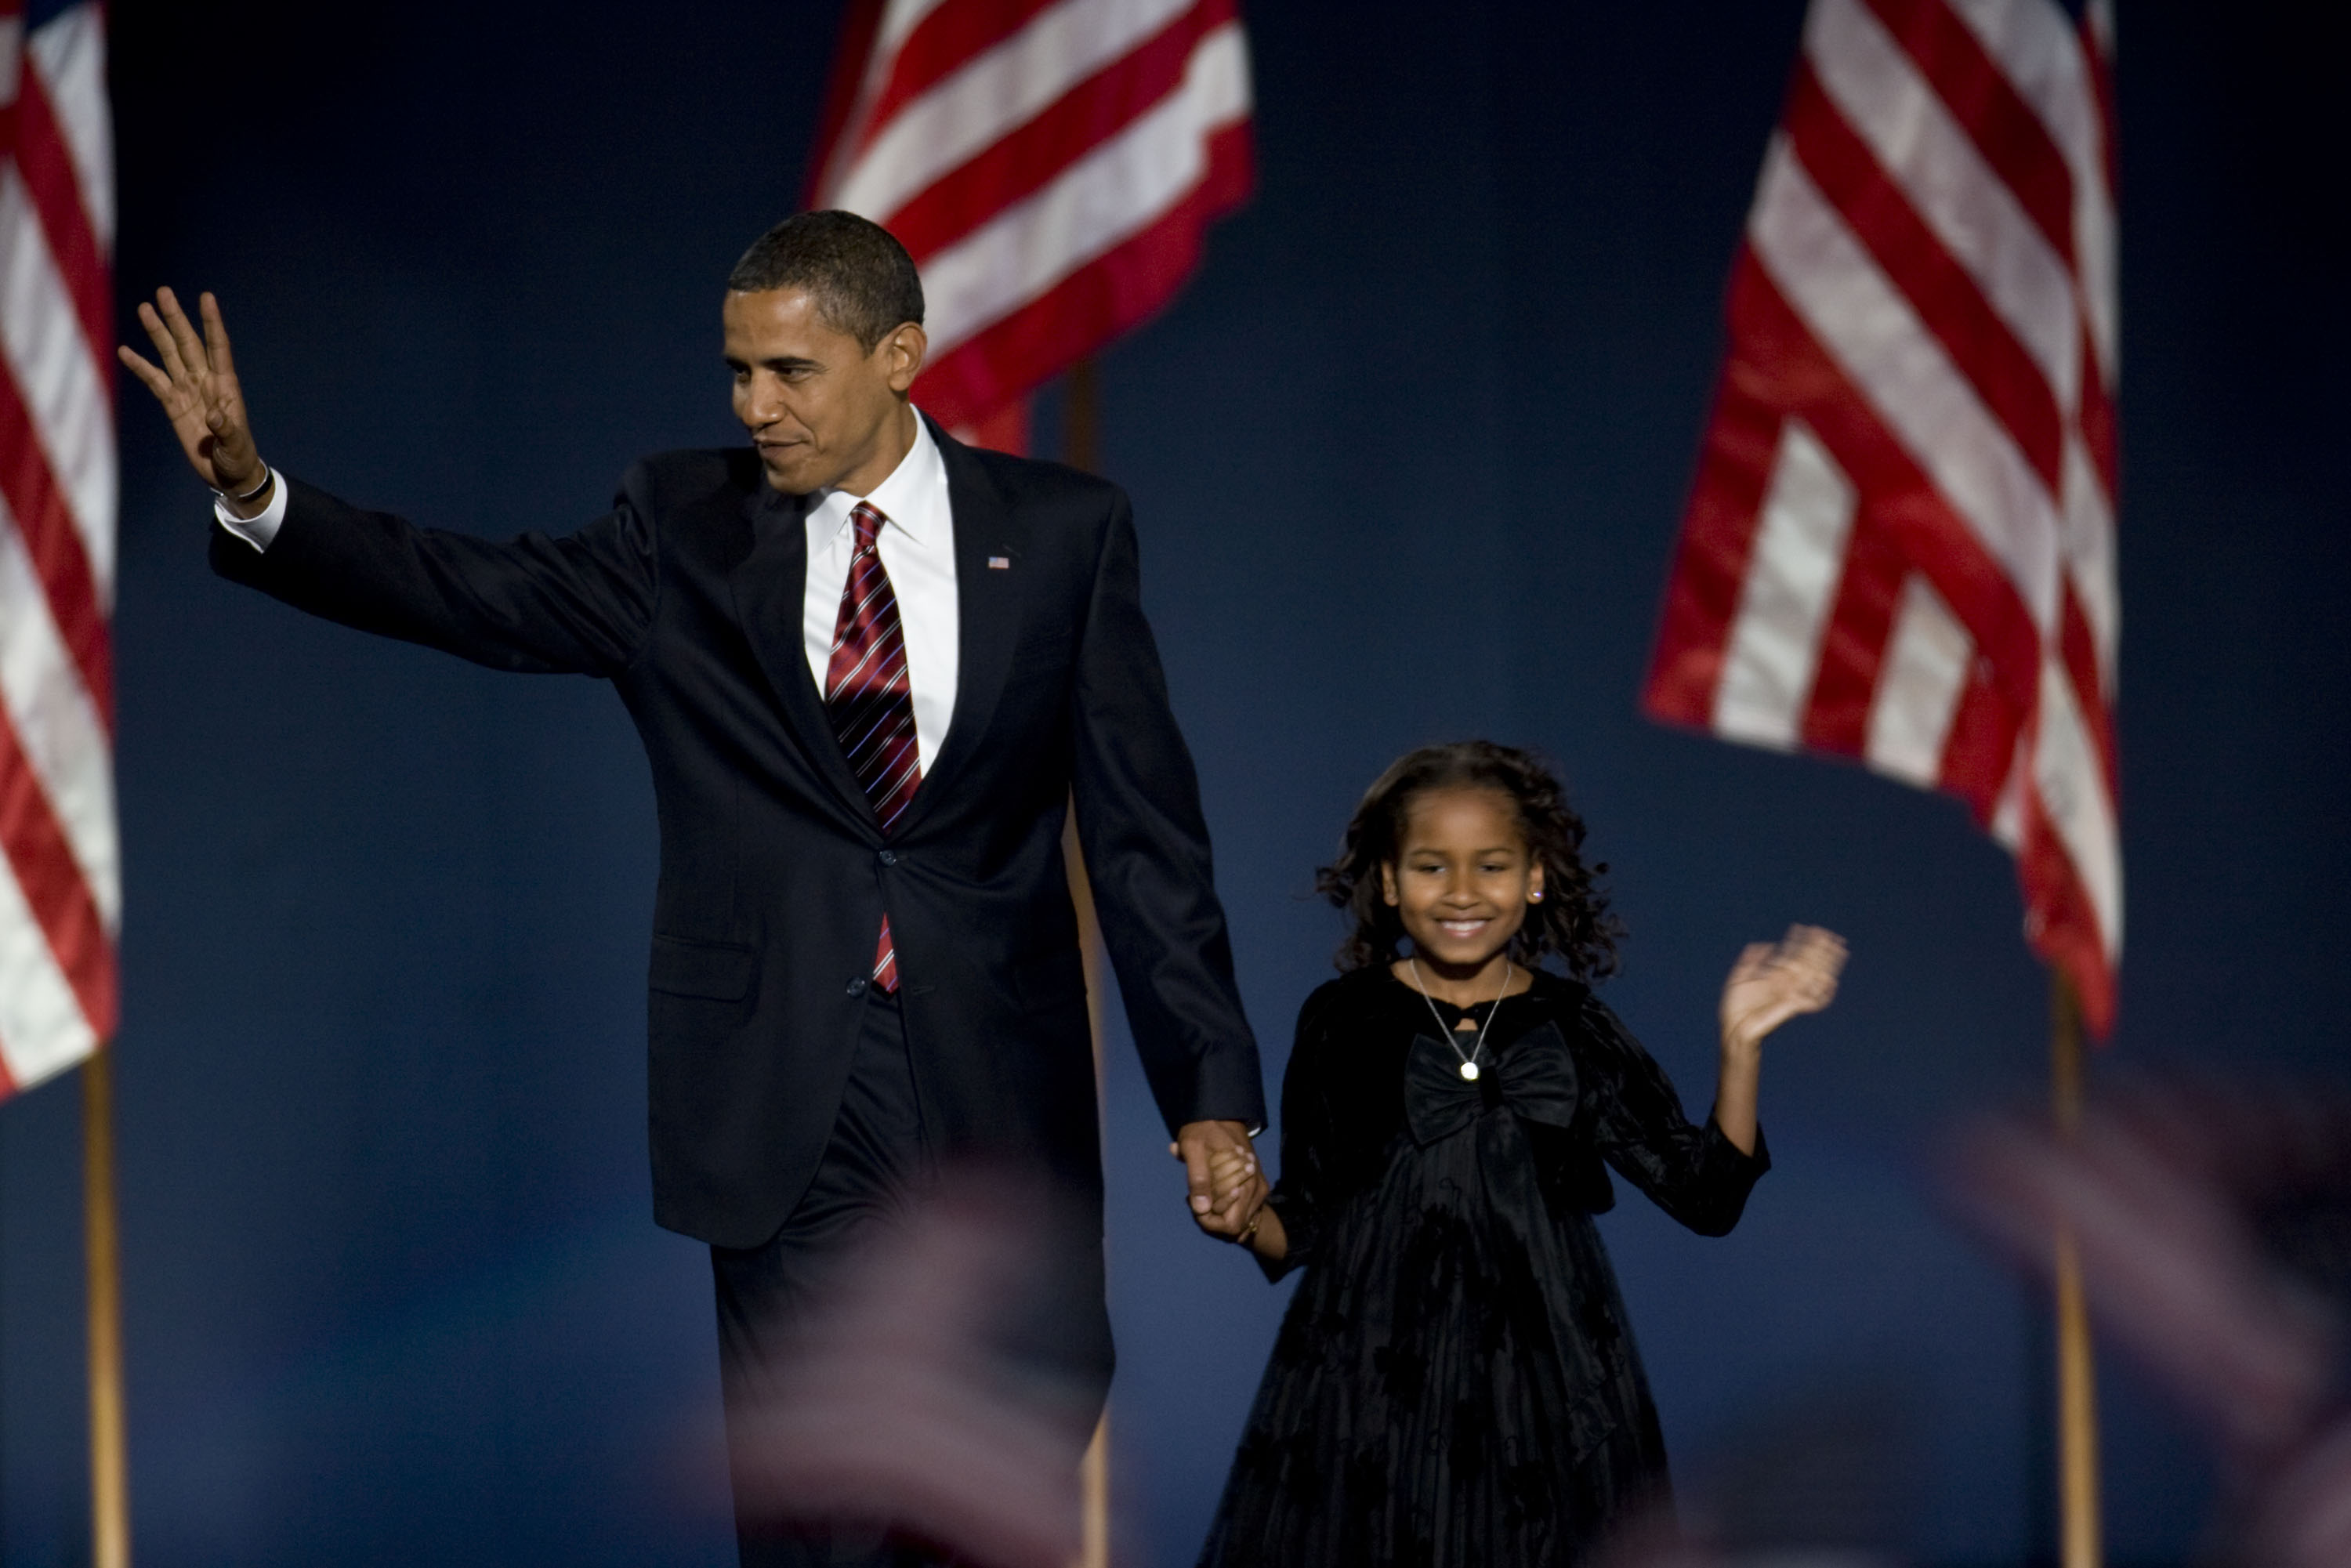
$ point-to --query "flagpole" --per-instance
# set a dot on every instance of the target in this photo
(110, 1491)
(2079, 1543)
(1094, 1474)
(1078, 450)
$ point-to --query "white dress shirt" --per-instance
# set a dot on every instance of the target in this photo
(917, 546)
(258, 530)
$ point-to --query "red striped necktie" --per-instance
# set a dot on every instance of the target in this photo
(870, 701)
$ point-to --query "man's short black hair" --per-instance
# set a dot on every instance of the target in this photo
(860, 278)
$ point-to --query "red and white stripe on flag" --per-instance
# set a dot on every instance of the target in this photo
(1900, 544)
(60, 861)
(1050, 164)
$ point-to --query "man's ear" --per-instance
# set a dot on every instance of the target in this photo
(1388, 883)
(901, 354)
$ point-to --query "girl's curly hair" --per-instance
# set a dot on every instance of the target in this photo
(1571, 924)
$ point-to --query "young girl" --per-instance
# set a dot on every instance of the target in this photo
(1454, 1383)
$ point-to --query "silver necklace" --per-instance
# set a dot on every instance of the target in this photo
(1469, 1062)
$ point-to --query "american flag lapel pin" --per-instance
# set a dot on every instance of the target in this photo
(999, 563)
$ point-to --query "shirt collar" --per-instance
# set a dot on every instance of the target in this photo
(904, 497)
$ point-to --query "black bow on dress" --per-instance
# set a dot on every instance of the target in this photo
(1533, 1077)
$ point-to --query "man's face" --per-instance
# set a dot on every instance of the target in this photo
(818, 405)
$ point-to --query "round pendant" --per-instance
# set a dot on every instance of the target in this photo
(1470, 1071)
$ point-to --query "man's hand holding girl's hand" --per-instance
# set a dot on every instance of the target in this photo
(1262, 1231)
(1228, 1168)
(1226, 1186)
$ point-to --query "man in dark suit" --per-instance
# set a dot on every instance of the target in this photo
(871, 668)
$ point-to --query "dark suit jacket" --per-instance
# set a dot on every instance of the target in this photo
(774, 875)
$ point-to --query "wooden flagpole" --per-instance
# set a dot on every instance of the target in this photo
(1078, 450)
(2079, 1533)
(1094, 1475)
(109, 1490)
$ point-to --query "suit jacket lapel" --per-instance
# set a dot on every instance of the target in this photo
(989, 601)
(770, 590)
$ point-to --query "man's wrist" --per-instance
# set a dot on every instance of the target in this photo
(249, 492)
(251, 503)
(258, 522)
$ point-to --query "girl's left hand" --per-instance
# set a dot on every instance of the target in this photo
(1774, 982)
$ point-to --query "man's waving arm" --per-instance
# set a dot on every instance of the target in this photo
(582, 603)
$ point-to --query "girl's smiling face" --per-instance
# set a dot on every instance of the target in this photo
(1462, 879)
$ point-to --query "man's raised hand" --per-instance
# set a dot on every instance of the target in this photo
(196, 384)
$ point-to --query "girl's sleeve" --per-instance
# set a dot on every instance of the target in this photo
(1695, 1174)
(1303, 1195)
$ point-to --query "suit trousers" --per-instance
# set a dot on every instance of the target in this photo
(875, 1158)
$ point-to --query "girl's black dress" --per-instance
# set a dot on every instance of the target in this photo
(1455, 1382)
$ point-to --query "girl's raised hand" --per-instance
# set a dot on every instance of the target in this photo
(1774, 982)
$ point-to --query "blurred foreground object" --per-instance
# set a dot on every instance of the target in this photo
(2213, 1223)
(905, 1404)
(1826, 1474)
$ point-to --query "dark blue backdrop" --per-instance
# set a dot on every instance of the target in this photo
(1407, 457)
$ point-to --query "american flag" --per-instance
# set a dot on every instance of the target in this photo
(61, 884)
(1900, 545)
(1050, 164)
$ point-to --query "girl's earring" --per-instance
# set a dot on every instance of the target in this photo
(1535, 897)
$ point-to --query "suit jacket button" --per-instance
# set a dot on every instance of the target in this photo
(857, 987)
(889, 857)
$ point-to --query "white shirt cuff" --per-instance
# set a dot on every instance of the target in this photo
(257, 531)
